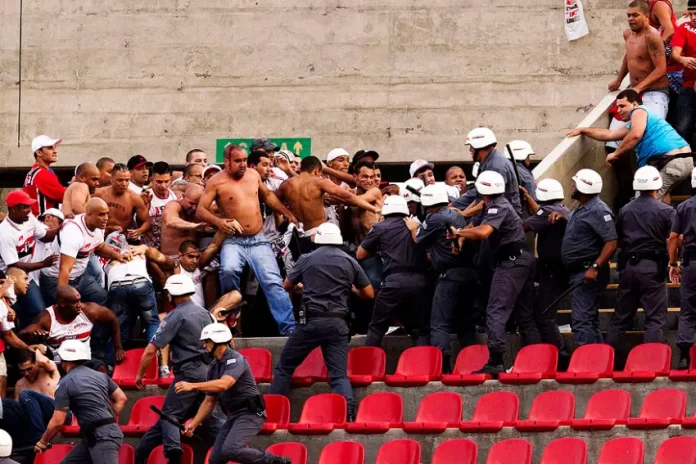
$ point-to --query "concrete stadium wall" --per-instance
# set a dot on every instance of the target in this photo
(406, 77)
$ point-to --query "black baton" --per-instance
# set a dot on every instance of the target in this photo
(166, 417)
(517, 173)
(562, 295)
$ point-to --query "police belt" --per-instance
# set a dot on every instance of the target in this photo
(327, 315)
(87, 430)
(253, 404)
(510, 251)
(624, 258)
(580, 266)
(402, 270)
(688, 255)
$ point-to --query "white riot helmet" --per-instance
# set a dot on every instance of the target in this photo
(434, 194)
(490, 183)
(394, 204)
(179, 285)
(693, 178)
(481, 137)
(549, 189)
(647, 178)
(328, 233)
(5, 444)
(521, 150)
(475, 169)
(216, 333)
(588, 182)
(74, 350)
(414, 184)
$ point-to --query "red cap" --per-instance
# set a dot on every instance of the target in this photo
(18, 197)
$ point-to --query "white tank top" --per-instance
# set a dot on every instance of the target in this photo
(195, 276)
(157, 204)
(79, 329)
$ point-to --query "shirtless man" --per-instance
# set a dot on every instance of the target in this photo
(304, 195)
(192, 174)
(364, 219)
(105, 166)
(79, 192)
(123, 203)
(644, 60)
(40, 374)
(236, 191)
(179, 221)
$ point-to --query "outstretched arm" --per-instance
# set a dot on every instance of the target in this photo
(347, 197)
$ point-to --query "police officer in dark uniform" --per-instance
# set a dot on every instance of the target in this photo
(457, 282)
(551, 276)
(685, 224)
(522, 153)
(512, 287)
(643, 227)
(95, 400)
(180, 330)
(328, 275)
(589, 242)
(404, 292)
(231, 383)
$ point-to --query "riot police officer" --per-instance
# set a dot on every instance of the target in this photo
(512, 287)
(181, 331)
(685, 224)
(95, 400)
(231, 383)
(328, 275)
(552, 276)
(457, 281)
(589, 242)
(643, 227)
(522, 153)
(404, 291)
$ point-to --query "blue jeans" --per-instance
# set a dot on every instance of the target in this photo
(257, 253)
(26, 419)
(90, 290)
(30, 305)
(373, 269)
(133, 300)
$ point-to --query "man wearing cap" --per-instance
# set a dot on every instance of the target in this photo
(368, 156)
(283, 164)
(589, 242)
(139, 168)
(95, 400)
(180, 330)
(422, 170)
(404, 293)
(230, 383)
(77, 195)
(328, 275)
(19, 232)
(210, 171)
(41, 183)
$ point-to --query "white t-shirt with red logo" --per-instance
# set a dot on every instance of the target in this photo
(77, 241)
(195, 276)
(17, 241)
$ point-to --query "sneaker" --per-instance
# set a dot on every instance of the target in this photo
(491, 369)
(164, 372)
(683, 364)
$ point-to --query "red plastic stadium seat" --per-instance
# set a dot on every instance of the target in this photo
(126, 455)
(366, 364)
(261, 363)
(312, 369)
(469, 359)
(157, 455)
(512, 451)
(277, 414)
(54, 455)
(297, 452)
(124, 373)
(549, 410)
(343, 452)
(142, 418)
(72, 430)
(399, 452)
(687, 375)
(589, 363)
(436, 412)
(165, 383)
(321, 414)
(417, 366)
(604, 410)
(459, 450)
(660, 409)
(493, 412)
(378, 413)
(533, 363)
(645, 362)
(677, 450)
(626, 450)
(565, 451)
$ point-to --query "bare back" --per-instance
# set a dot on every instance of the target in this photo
(304, 196)
(239, 199)
(172, 238)
(121, 208)
(75, 198)
(641, 47)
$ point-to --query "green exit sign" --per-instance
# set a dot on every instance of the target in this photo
(301, 146)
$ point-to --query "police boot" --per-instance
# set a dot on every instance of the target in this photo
(446, 369)
(684, 357)
(174, 456)
(350, 416)
(493, 367)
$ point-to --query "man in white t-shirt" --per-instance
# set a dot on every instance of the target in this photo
(140, 173)
(18, 235)
(161, 195)
(78, 239)
(52, 218)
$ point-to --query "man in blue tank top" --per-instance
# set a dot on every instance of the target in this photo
(655, 142)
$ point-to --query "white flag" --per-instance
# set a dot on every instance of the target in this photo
(575, 24)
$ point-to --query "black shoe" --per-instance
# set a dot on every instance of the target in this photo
(683, 364)
(491, 369)
(350, 417)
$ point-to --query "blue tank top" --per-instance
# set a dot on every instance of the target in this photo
(658, 139)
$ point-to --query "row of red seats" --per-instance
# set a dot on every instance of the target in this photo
(379, 412)
(126, 455)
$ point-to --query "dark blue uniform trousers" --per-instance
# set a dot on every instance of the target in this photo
(109, 439)
(553, 281)
(230, 444)
(585, 315)
(687, 313)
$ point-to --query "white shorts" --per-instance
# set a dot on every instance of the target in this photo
(656, 102)
(3, 365)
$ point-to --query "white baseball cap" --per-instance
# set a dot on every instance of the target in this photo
(53, 212)
(43, 141)
(418, 165)
(179, 284)
(336, 153)
(212, 167)
(287, 154)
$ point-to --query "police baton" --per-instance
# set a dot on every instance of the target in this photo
(563, 295)
(170, 419)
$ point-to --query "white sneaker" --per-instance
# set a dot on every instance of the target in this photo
(164, 372)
